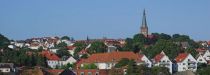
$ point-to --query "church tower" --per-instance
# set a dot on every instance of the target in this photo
(144, 28)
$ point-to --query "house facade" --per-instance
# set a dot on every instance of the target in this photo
(206, 55)
(201, 60)
(108, 60)
(185, 62)
(162, 60)
(65, 60)
(144, 61)
(52, 59)
(6, 67)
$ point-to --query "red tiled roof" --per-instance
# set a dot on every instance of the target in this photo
(49, 55)
(181, 57)
(151, 36)
(110, 57)
(55, 71)
(158, 57)
(140, 56)
(200, 50)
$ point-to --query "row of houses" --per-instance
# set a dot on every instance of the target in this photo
(54, 61)
(183, 62)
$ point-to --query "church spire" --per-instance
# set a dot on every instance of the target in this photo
(144, 21)
(144, 28)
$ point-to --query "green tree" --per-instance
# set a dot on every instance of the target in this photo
(122, 62)
(79, 46)
(129, 44)
(134, 69)
(40, 49)
(89, 66)
(63, 52)
(4, 42)
(67, 66)
(191, 51)
(84, 56)
(61, 45)
(140, 38)
(164, 36)
(170, 48)
(160, 71)
(65, 38)
(116, 71)
(131, 68)
(97, 47)
(180, 38)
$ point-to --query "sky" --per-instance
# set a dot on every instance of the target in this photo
(22, 19)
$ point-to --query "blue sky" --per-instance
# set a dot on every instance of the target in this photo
(21, 19)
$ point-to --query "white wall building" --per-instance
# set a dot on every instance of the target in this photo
(162, 60)
(206, 55)
(66, 60)
(200, 59)
(7, 67)
(53, 63)
(108, 60)
(186, 62)
(144, 60)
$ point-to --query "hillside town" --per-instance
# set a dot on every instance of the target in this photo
(143, 54)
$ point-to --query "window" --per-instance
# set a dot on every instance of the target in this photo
(82, 73)
(89, 73)
(97, 73)
(184, 68)
(108, 65)
(7, 70)
(200, 59)
(163, 61)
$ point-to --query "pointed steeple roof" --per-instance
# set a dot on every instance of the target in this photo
(87, 38)
(144, 21)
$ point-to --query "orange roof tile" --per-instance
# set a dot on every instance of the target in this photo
(110, 57)
(158, 57)
(49, 55)
(181, 57)
(208, 42)
(55, 71)
(200, 50)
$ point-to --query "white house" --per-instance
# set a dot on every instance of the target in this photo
(162, 60)
(65, 60)
(52, 59)
(53, 50)
(53, 63)
(144, 60)
(186, 62)
(111, 48)
(206, 55)
(71, 49)
(65, 41)
(19, 44)
(6, 67)
(201, 60)
(11, 46)
(107, 60)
